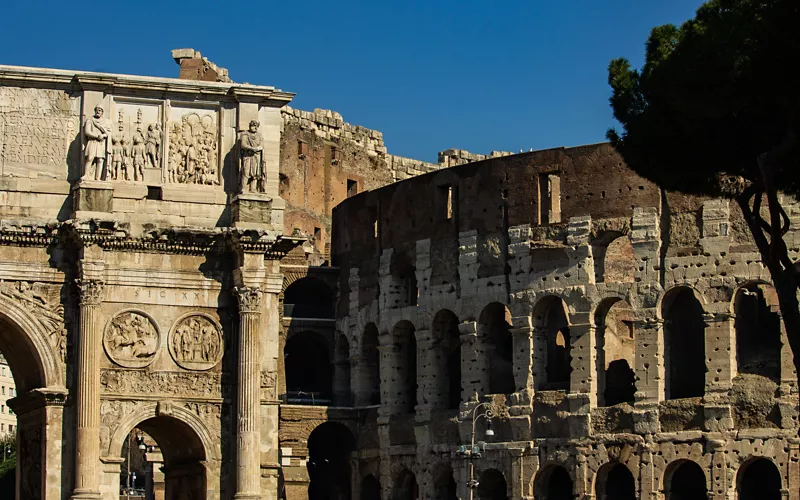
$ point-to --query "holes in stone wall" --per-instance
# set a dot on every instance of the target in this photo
(684, 344)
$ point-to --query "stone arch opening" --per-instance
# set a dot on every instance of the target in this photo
(685, 480)
(495, 335)
(759, 479)
(553, 483)
(551, 318)
(370, 362)
(492, 485)
(370, 488)
(405, 291)
(182, 472)
(405, 486)
(447, 360)
(341, 380)
(616, 380)
(684, 344)
(614, 261)
(329, 447)
(444, 485)
(405, 373)
(758, 331)
(308, 298)
(615, 482)
(308, 369)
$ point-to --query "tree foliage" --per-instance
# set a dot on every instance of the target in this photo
(715, 110)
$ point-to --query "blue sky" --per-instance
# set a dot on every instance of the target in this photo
(431, 75)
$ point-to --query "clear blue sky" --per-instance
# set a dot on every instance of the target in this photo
(431, 75)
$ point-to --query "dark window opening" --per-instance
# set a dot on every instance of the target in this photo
(155, 193)
(352, 187)
(684, 338)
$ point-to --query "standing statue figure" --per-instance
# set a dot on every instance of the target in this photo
(153, 145)
(139, 156)
(117, 151)
(95, 133)
(253, 177)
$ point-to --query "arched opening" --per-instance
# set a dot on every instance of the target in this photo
(308, 298)
(404, 291)
(616, 381)
(492, 485)
(495, 326)
(447, 360)
(685, 480)
(684, 339)
(370, 362)
(550, 315)
(615, 482)
(370, 488)
(758, 331)
(614, 261)
(405, 486)
(444, 486)
(308, 369)
(329, 449)
(759, 479)
(405, 366)
(341, 380)
(553, 483)
(170, 455)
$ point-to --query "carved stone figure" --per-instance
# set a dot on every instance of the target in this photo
(253, 176)
(127, 161)
(131, 340)
(44, 304)
(139, 154)
(116, 156)
(193, 151)
(131, 382)
(195, 343)
(153, 147)
(95, 133)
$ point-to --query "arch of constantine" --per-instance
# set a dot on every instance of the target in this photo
(291, 312)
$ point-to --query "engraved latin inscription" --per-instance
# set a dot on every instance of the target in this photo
(37, 128)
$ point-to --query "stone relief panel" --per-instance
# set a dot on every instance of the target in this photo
(195, 342)
(39, 132)
(44, 303)
(137, 142)
(111, 413)
(128, 382)
(131, 339)
(193, 146)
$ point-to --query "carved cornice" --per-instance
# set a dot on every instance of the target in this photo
(249, 298)
(37, 398)
(91, 291)
(28, 235)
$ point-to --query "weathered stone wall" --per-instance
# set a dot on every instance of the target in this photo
(619, 318)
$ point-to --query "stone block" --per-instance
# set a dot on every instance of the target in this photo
(251, 210)
(92, 199)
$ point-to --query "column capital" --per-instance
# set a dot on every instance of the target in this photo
(90, 291)
(249, 298)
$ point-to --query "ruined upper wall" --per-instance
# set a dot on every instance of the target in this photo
(170, 150)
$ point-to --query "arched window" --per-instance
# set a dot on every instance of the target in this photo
(308, 298)
(308, 369)
(444, 486)
(759, 479)
(329, 448)
(405, 346)
(553, 483)
(684, 339)
(685, 480)
(615, 482)
(551, 317)
(492, 485)
(494, 329)
(615, 353)
(758, 331)
(405, 486)
(447, 360)
(370, 488)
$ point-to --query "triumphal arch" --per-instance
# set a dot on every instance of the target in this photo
(139, 246)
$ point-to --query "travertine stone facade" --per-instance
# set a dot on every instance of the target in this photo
(628, 339)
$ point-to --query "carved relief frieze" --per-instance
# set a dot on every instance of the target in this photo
(195, 342)
(193, 147)
(136, 142)
(159, 384)
(209, 413)
(131, 339)
(44, 303)
(112, 412)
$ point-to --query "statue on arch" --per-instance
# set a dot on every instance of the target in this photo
(253, 178)
(96, 133)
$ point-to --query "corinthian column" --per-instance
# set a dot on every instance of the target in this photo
(87, 402)
(248, 430)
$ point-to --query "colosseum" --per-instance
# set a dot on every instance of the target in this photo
(272, 306)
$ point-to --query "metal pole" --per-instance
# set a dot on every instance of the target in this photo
(128, 490)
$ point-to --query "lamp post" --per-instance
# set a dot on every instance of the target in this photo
(140, 442)
(474, 452)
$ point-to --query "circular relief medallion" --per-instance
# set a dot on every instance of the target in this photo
(131, 339)
(195, 343)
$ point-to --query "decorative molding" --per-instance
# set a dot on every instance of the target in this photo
(249, 298)
(91, 291)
